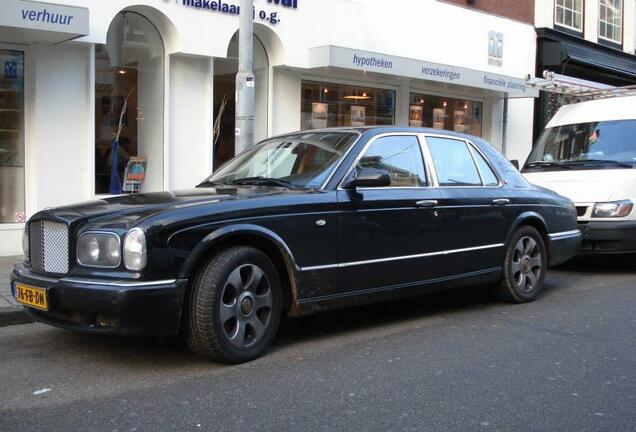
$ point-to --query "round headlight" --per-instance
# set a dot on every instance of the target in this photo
(135, 249)
(25, 241)
(99, 249)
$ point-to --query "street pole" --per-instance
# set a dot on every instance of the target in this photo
(244, 121)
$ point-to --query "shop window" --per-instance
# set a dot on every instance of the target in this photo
(336, 105)
(445, 113)
(400, 156)
(453, 163)
(11, 136)
(610, 20)
(569, 14)
(225, 70)
(129, 92)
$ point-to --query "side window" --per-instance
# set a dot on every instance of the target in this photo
(453, 162)
(401, 156)
(489, 177)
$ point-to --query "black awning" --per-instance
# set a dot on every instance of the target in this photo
(557, 48)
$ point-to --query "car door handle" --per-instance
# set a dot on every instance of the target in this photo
(427, 203)
(501, 201)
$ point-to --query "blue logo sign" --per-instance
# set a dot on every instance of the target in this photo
(10, 69)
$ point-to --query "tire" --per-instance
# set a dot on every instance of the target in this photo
(525, 266)
(234, 306)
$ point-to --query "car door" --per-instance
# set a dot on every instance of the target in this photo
(473, 205)
(386, 233)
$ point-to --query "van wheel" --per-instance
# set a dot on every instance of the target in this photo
(234, 306)
(525, 266)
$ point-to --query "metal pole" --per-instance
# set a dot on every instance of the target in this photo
(244, 122)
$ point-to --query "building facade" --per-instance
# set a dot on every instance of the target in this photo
(590, 40)
(91, 91)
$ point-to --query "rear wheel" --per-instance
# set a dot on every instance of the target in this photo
(235, 306)
(525, 266)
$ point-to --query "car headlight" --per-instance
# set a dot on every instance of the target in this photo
(98, 249)
(25, 242)
(135, 249)
(612, 209)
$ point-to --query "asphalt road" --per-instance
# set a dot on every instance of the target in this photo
(453, 361)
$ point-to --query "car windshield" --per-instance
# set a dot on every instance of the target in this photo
(303, 160)
(597, 145)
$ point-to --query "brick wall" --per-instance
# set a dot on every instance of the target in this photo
(521, 10)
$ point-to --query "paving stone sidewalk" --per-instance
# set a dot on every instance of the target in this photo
(10, 311)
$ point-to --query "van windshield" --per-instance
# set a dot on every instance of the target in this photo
(598, 145)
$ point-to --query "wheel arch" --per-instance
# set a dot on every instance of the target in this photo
(255, 236)
(535, 220)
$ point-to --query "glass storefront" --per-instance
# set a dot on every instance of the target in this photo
(445, 113)
(12, 200)
(129, 89)
(334, 105)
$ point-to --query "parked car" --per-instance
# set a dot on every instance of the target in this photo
(587, 153)
(300, 223)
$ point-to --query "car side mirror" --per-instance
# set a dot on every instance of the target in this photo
(515, 163)
(369, 177)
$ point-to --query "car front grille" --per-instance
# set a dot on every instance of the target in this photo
(48, 246)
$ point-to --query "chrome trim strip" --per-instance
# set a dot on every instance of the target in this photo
(399, 258)
(565, 235)
(119, 283)
(24, 272)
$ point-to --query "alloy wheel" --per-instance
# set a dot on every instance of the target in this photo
(246, 306)
(526, 264)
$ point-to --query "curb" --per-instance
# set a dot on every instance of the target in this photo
(13, 316)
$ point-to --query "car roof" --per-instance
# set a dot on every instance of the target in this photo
(610, 109)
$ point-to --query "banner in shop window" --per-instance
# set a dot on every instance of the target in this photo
(358, 115)
(135, 174)
(319, 115)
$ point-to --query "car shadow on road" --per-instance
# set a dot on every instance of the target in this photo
(623, 263)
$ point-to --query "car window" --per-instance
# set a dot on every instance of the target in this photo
(401, 156)
(487, 175)
(453, 162)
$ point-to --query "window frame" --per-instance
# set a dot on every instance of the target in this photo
(427, 172)
(621, 27)
(565, 26)
(469, 145)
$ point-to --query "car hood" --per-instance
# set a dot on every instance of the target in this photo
(587, 186)
(133, 208)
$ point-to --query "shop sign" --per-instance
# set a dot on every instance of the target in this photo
(495, 48)
(331, 56)
(225, 7)
(44, 16)
(134, 174)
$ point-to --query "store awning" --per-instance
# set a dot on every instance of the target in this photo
(560, 52)
(347, 58)
(26, 22)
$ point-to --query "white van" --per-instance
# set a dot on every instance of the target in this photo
(587, 153)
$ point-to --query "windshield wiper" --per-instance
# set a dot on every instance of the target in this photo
(210, 183)
(260, 180)
(547, 164)
(600, 162)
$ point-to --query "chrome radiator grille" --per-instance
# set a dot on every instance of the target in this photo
(48, 245)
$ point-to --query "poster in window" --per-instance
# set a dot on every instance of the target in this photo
(319, 115)
(358, 115)
(439, 116)
(134, 174)
(459, 121)
(415, 116)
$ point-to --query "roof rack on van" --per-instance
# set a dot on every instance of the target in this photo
(562, 84)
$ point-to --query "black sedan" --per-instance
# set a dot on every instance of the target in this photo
(297, 224)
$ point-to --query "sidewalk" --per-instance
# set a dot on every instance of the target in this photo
(10, 311)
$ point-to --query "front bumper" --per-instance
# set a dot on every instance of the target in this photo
(608, 237)
(102, 306)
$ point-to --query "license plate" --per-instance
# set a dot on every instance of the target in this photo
(31, 296)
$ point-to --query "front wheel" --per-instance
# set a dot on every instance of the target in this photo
(235, 306)
(525, 266)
